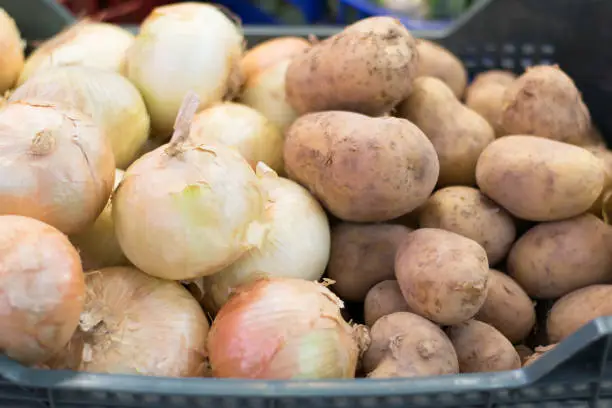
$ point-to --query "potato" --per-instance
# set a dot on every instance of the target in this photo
(576, 309)
(436, 61)
(485, 96)
(507, 308)
(524, 352)
(538, 179)
(458, 133)
(556, 258)
(383, 299)
(468, 212)
(361, 256)
(361, 168)
(545, 102)
(406, 345)
(538, 352)
(269, 53)
(443, 276)
(368, 68)
(605, 156)
(482, 348)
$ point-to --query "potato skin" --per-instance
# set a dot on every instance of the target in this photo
(362, 169)
(507, 307)
(436, 61)
(367, 68)
(539, 179)
(468, 212)
(556, 258)
(576, 309)
(605, 156)
(443, 276)
(538, 352)
(485, 95)
(482, 348)
(457, 133)
(383, 299)
(406, 345)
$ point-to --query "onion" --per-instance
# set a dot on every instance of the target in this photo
(98, 245)
(297, 244)
(41, 289)
(11, 52)
(283, 328)
(55, 165)
(110, 99)
(92, 44)
(184, 210)
(270, 52)
(133, 323)
(265, 92)
(243, 128)
(180, 48)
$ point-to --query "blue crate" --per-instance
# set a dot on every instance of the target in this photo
(313, 11)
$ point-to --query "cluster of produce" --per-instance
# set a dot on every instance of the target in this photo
(150, 183)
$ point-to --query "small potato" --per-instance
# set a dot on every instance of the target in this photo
(507, 308)
(362, 169)
(383, 299)
(538, 179)
(576, 309)
(482, 348)
(468, 212)
(269, 53)
(538, 352)
(406, 345)
(556, 258)
(361, 256)
(368, 68)
(485, 96)
(443, 276)
(457, 133)
(524, 352)
(436, 61)
(545, 102)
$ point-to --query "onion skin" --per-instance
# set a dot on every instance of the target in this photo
(270, 52)
(55, 165)
(11, 52)
(41, 289)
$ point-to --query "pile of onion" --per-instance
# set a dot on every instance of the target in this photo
(283, 328)
(184, 47)
(109, 98)
(133, 323)
(41, 289)
(92, 44)
(184, 210)
(55, 165)
(11, 52)
(269, 53)
(297, 244)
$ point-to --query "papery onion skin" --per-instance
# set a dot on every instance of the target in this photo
(11, 52)
(41, 289)
(110, 99)
(243, 128)
(282, 328)
(55, 165)
(133, 323)
(87, 43)
(270, 52)
(190, 215)
(184, 47)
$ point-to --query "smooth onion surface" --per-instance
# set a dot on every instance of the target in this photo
(41, 289)
(109, 98)
(55, 165)
(11, 52)
(270, 52)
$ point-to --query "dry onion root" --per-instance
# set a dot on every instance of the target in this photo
(11, 52)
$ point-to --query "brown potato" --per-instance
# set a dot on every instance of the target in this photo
(458, 133)
(538, 179)
(362, 169)
(383, 299)
(507, 308)
(436, 61)
(443, 276)
(485, 96)
(524, 352)
(406, 345)
(538, 352)
(367, 68)
(576, 309)
(468, 212)
(605, 156)
(545, 102)
(482, 348)
(361, 256)
(556, 258)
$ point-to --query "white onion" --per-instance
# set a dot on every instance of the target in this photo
(11, 52)
(109, 98)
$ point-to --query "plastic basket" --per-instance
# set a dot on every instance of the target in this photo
(311, 11)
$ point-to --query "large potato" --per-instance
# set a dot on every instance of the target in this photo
(485, 95)
(468, 212)
(361, 168)
(555, 258)
(458, 133)
(605, 155)
(436, 61)
(383, 299)
(539, 179)
(368, 68)
(443, 276)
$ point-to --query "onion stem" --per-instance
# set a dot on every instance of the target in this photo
(182, 124)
